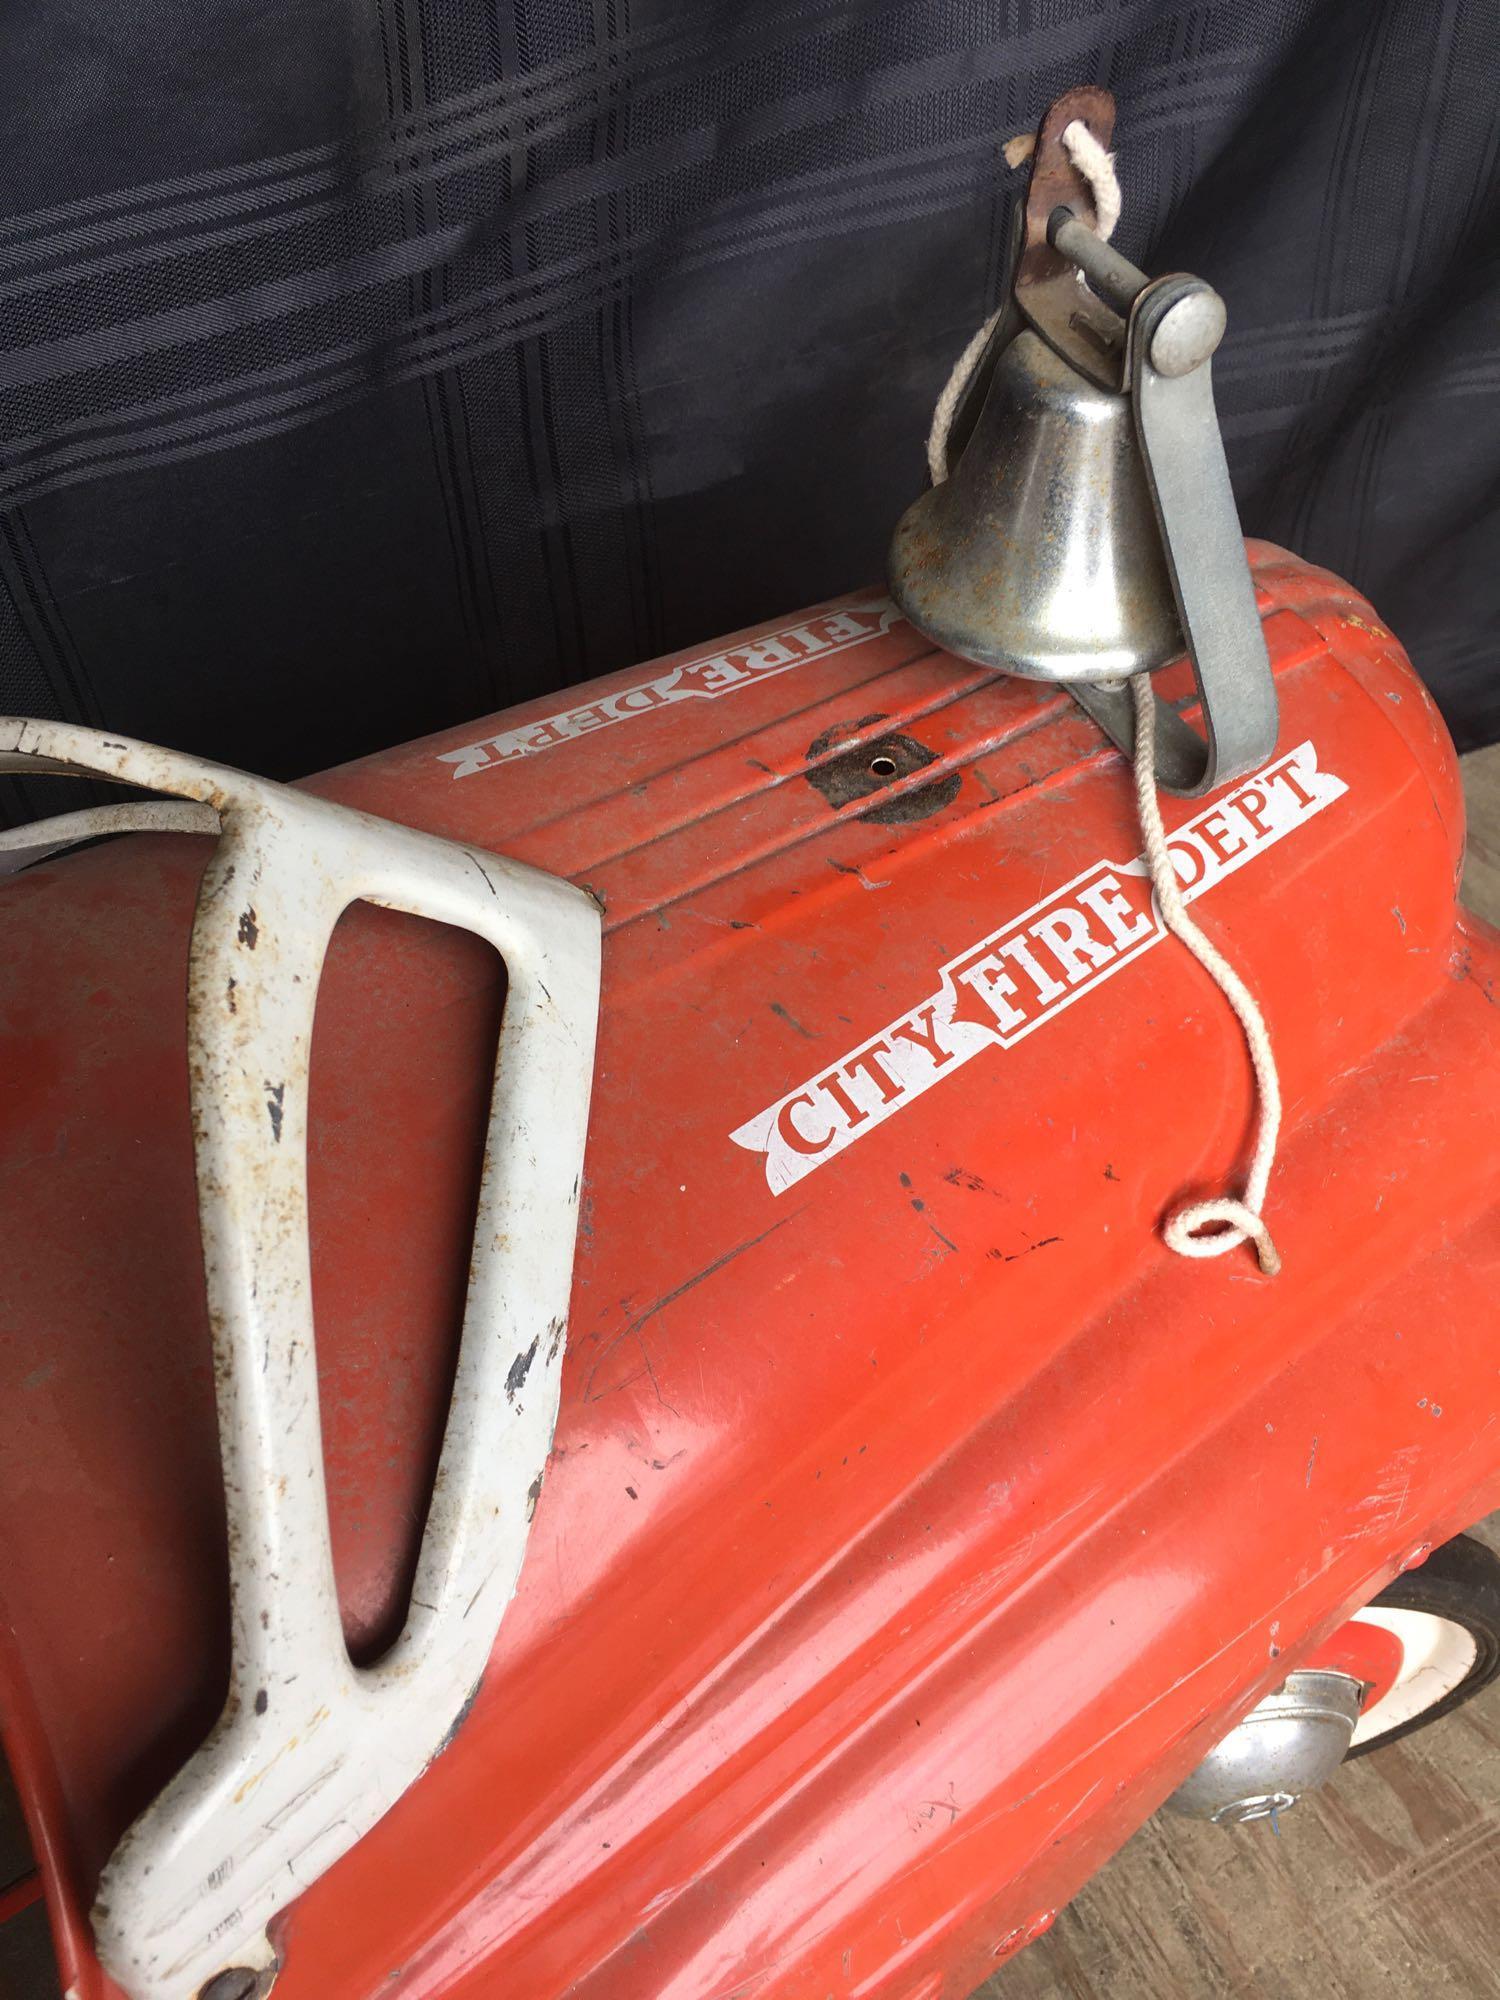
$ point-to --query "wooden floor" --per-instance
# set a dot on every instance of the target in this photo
(1386, 1884)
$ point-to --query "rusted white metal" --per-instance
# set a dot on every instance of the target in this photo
(310, 1751)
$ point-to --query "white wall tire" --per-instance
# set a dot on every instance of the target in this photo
(1437, 1657)
(1446, 1616)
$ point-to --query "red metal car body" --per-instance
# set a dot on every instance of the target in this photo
(915, 1520)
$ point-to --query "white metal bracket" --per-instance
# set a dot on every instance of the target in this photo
(311, 1751)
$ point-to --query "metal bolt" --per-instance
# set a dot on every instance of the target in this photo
(235, 1982)
(1188, 332)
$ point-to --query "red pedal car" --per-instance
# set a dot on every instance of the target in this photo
(893, 1521)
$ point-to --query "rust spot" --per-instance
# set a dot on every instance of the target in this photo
(275, 1093)
(844, 770)
(249, 930)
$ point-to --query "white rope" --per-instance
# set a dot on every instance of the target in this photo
(947, 403)
(1098, 169)
(1238, 1221)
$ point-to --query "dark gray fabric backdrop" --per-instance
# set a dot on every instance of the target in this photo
(368, 366)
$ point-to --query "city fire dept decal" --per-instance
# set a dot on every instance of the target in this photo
(815, 637)
(1019, 977)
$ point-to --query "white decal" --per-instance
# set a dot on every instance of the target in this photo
(758, 659)
(1025, 973)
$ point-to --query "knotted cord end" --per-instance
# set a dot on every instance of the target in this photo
(1237, 1224)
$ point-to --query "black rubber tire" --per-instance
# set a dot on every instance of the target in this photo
(1460, 1580)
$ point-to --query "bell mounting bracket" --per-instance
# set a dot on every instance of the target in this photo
(1153, 340)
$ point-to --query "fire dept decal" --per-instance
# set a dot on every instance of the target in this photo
(1023, 974)
(760, 659)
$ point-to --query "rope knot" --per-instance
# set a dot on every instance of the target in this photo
(1238, 1224)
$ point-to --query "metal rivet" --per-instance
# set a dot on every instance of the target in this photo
(1188, 333)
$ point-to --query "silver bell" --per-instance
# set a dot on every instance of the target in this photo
(1041, 555)
(1088, 532)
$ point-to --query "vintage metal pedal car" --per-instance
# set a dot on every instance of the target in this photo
(901, 1520)
(914, 1521)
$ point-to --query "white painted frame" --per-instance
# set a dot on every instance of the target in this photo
(311, 1751)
